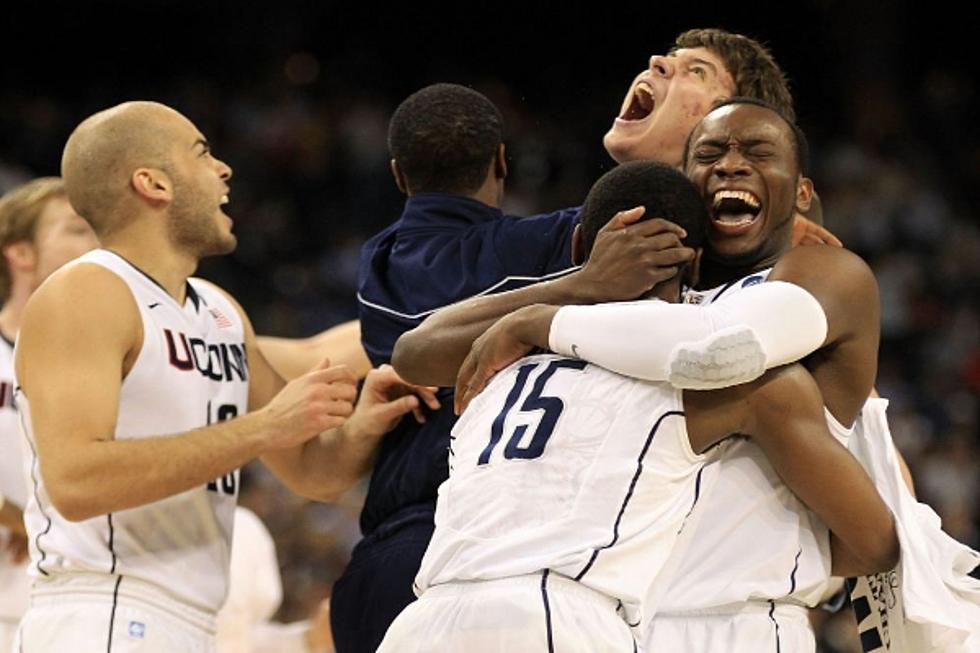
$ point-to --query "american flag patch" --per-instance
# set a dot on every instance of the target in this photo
(220, 319)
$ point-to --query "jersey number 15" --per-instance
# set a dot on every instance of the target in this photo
(535, 400)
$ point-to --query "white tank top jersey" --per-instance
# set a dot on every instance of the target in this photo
(191, 371)
(14, 582)
(753, 540)
(565, 466)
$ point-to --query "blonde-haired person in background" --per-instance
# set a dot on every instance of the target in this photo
(39, 232)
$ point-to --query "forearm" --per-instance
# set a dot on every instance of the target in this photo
(325, 467)
(11, 516)
(640, 339)
(834, 485)
(431, 353)
(106, 476)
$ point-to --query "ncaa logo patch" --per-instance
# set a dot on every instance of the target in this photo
(753, 280)
(137, 629)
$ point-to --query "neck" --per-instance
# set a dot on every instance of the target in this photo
(669, 291)
(12, 313)
(717, 273)
(154, 254)
(491, 192)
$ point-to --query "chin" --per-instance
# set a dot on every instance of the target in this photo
(617, 149)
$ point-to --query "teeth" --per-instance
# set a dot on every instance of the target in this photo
(741, 195)
(224, 200)
(644, 95)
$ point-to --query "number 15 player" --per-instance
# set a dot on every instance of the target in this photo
(570, 485)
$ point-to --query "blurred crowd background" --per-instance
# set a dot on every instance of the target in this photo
(296, 98)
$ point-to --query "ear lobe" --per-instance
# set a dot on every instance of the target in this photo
(804, 194)
(578, 246)
(153, 185)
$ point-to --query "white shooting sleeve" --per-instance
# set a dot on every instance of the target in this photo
(733, 340)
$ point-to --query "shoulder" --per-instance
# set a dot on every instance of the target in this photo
(822, 267)
(82, 288)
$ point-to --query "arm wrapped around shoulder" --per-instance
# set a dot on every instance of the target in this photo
(731, 341)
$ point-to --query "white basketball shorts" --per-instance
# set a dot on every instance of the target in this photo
(94, 613)
(537, 612)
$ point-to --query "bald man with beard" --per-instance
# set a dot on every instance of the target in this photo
(134, 380)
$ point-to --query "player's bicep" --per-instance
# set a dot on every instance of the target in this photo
(840, 281)
(76, 334)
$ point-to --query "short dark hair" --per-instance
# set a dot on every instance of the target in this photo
(444, 138)
(800, 144)
(750, 63)
(661, 189)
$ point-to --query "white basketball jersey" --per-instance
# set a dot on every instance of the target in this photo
(191, 371)
(753, 539)
(14, 582)
(566, 466)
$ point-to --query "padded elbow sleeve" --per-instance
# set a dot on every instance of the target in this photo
(698, 347)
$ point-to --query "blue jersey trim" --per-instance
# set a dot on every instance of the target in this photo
(772, 617)
(112, 615)
(629, 493)
(487, 291)
(547, 610)
(37, 497)
(792, 575)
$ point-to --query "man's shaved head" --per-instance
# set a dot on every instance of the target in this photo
(104, 150)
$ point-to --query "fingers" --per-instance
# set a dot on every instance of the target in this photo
(656, 226)
(474, 386)
(624, 218)
(333, 374)
(463, 377)
(322, 365)
(392, 410)
(427, 393)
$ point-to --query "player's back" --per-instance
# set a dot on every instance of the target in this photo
(566, 466)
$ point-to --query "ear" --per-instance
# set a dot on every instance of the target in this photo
(153, 185)
(500, 163)
(399, 176)
(804, 194)
(20, 256)
(578, 246)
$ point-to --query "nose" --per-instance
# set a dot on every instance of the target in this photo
(662, 66)
(732, 164)
(224, 170)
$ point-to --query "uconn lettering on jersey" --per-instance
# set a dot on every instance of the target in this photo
(6, 394)
(221, 362)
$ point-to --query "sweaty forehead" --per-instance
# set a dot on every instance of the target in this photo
(741, 123)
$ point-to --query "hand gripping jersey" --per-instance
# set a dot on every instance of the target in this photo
(191, 371)
(14, 582)
(754, 541)
(564, 466)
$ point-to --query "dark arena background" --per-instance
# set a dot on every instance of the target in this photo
(296, 98)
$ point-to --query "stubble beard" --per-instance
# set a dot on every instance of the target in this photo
(194, 227)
